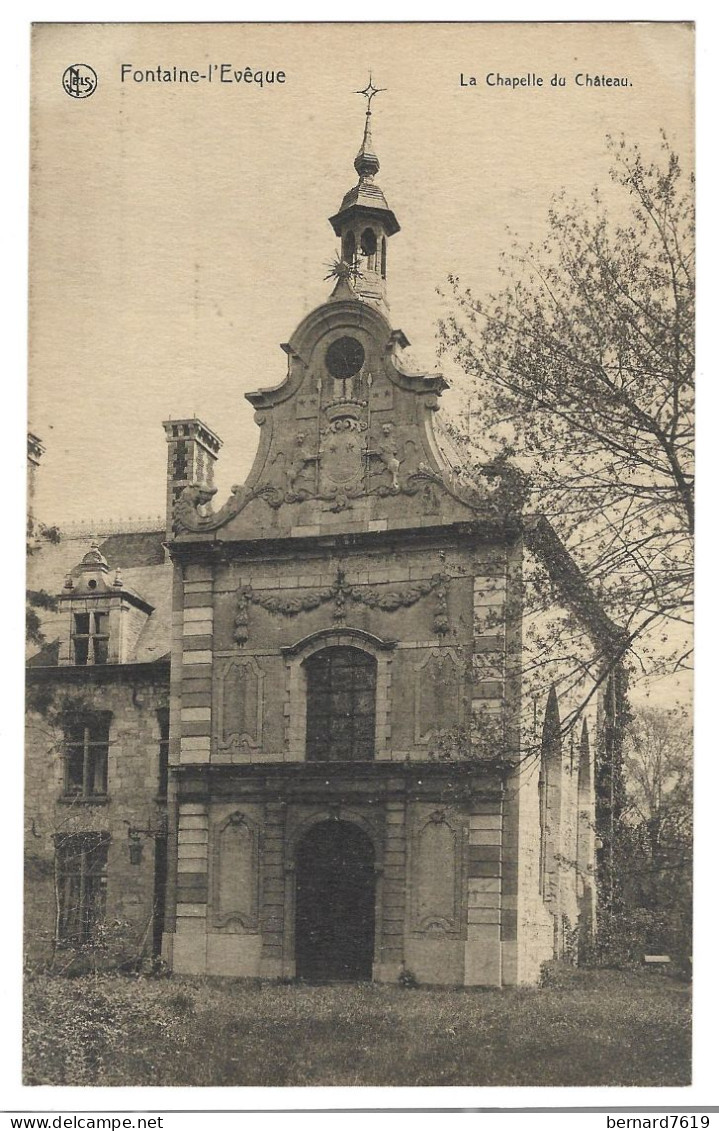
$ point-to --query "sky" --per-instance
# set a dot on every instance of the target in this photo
(178, 233)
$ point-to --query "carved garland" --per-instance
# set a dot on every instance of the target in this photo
(341, 592)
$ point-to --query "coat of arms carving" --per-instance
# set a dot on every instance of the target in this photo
(342, 450)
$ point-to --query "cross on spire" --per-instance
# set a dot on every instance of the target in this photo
(369, 92)
(366, 161)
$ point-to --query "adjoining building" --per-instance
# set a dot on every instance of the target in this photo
(335, 757)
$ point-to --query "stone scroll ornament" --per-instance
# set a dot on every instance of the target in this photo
(336, 474)
(193, 512)
(343, 594)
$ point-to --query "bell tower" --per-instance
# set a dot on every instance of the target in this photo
(365, 221)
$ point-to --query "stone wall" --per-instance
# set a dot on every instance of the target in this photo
(438, 882)
(459, 899)
(132, 797)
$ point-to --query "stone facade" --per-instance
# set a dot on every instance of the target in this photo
(125, 687)
(134, 799)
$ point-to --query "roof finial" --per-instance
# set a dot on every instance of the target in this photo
(366, 162)
(369, 92)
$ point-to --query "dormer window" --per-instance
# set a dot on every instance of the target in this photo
(105, 616)
(90, 638)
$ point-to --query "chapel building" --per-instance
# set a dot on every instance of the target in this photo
(308, 738)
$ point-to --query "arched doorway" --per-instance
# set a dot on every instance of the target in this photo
(334, 923)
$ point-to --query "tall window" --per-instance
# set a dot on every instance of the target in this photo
(349, 248)
(86, 745)
(81, 873)
(163, 721)
(341, 686)
(90, 637)
(542, 790)
(368, 247)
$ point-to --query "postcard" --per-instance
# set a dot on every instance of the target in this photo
(360, 542)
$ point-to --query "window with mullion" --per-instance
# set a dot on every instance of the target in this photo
(91, 638)
(86, 749)
(81, 866)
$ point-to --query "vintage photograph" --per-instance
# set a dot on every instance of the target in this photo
(360, 555)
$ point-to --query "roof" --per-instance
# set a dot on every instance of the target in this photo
(140, 556)
(542, 540)
(371, 200)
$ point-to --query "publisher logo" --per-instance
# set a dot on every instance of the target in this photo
(79, 81)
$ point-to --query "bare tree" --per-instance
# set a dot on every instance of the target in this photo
(580, 373)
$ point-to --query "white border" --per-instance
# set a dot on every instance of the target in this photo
(15, 57)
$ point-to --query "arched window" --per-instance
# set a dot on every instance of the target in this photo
(341, 692)
(550, 773)
(368, 245)
(384, 258)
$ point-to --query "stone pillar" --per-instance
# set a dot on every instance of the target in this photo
(393, 879)
(483, 949)
(272, 911)
(190, 942)
(195, 622)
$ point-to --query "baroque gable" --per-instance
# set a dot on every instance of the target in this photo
(346, 440)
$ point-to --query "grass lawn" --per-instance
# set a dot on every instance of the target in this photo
(595, 1027)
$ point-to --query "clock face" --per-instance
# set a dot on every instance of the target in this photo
(344, 358)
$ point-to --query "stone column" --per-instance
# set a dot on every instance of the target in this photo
(393, 879)
(483, 949)
(190, 943)
(272, 911)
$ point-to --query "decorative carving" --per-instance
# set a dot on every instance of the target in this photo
(341, 592)
(387, 451)
(438, 694)
(436, 876)
(300, 461)
(191, 513)
(341, 460)
(242, 615)
(441, 620)
(337, 465)
(240, 705)
(342, 451)
(236, 873)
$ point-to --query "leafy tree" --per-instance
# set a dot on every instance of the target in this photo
(652, 859)
(579, 372)
(659, 782)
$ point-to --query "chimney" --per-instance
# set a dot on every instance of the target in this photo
(192, 450)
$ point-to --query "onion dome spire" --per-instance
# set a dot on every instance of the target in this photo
(367, 162)
(364, 223)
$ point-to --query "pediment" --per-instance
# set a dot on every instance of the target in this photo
(346, 440)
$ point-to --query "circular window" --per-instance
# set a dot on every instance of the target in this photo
(344, 358)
